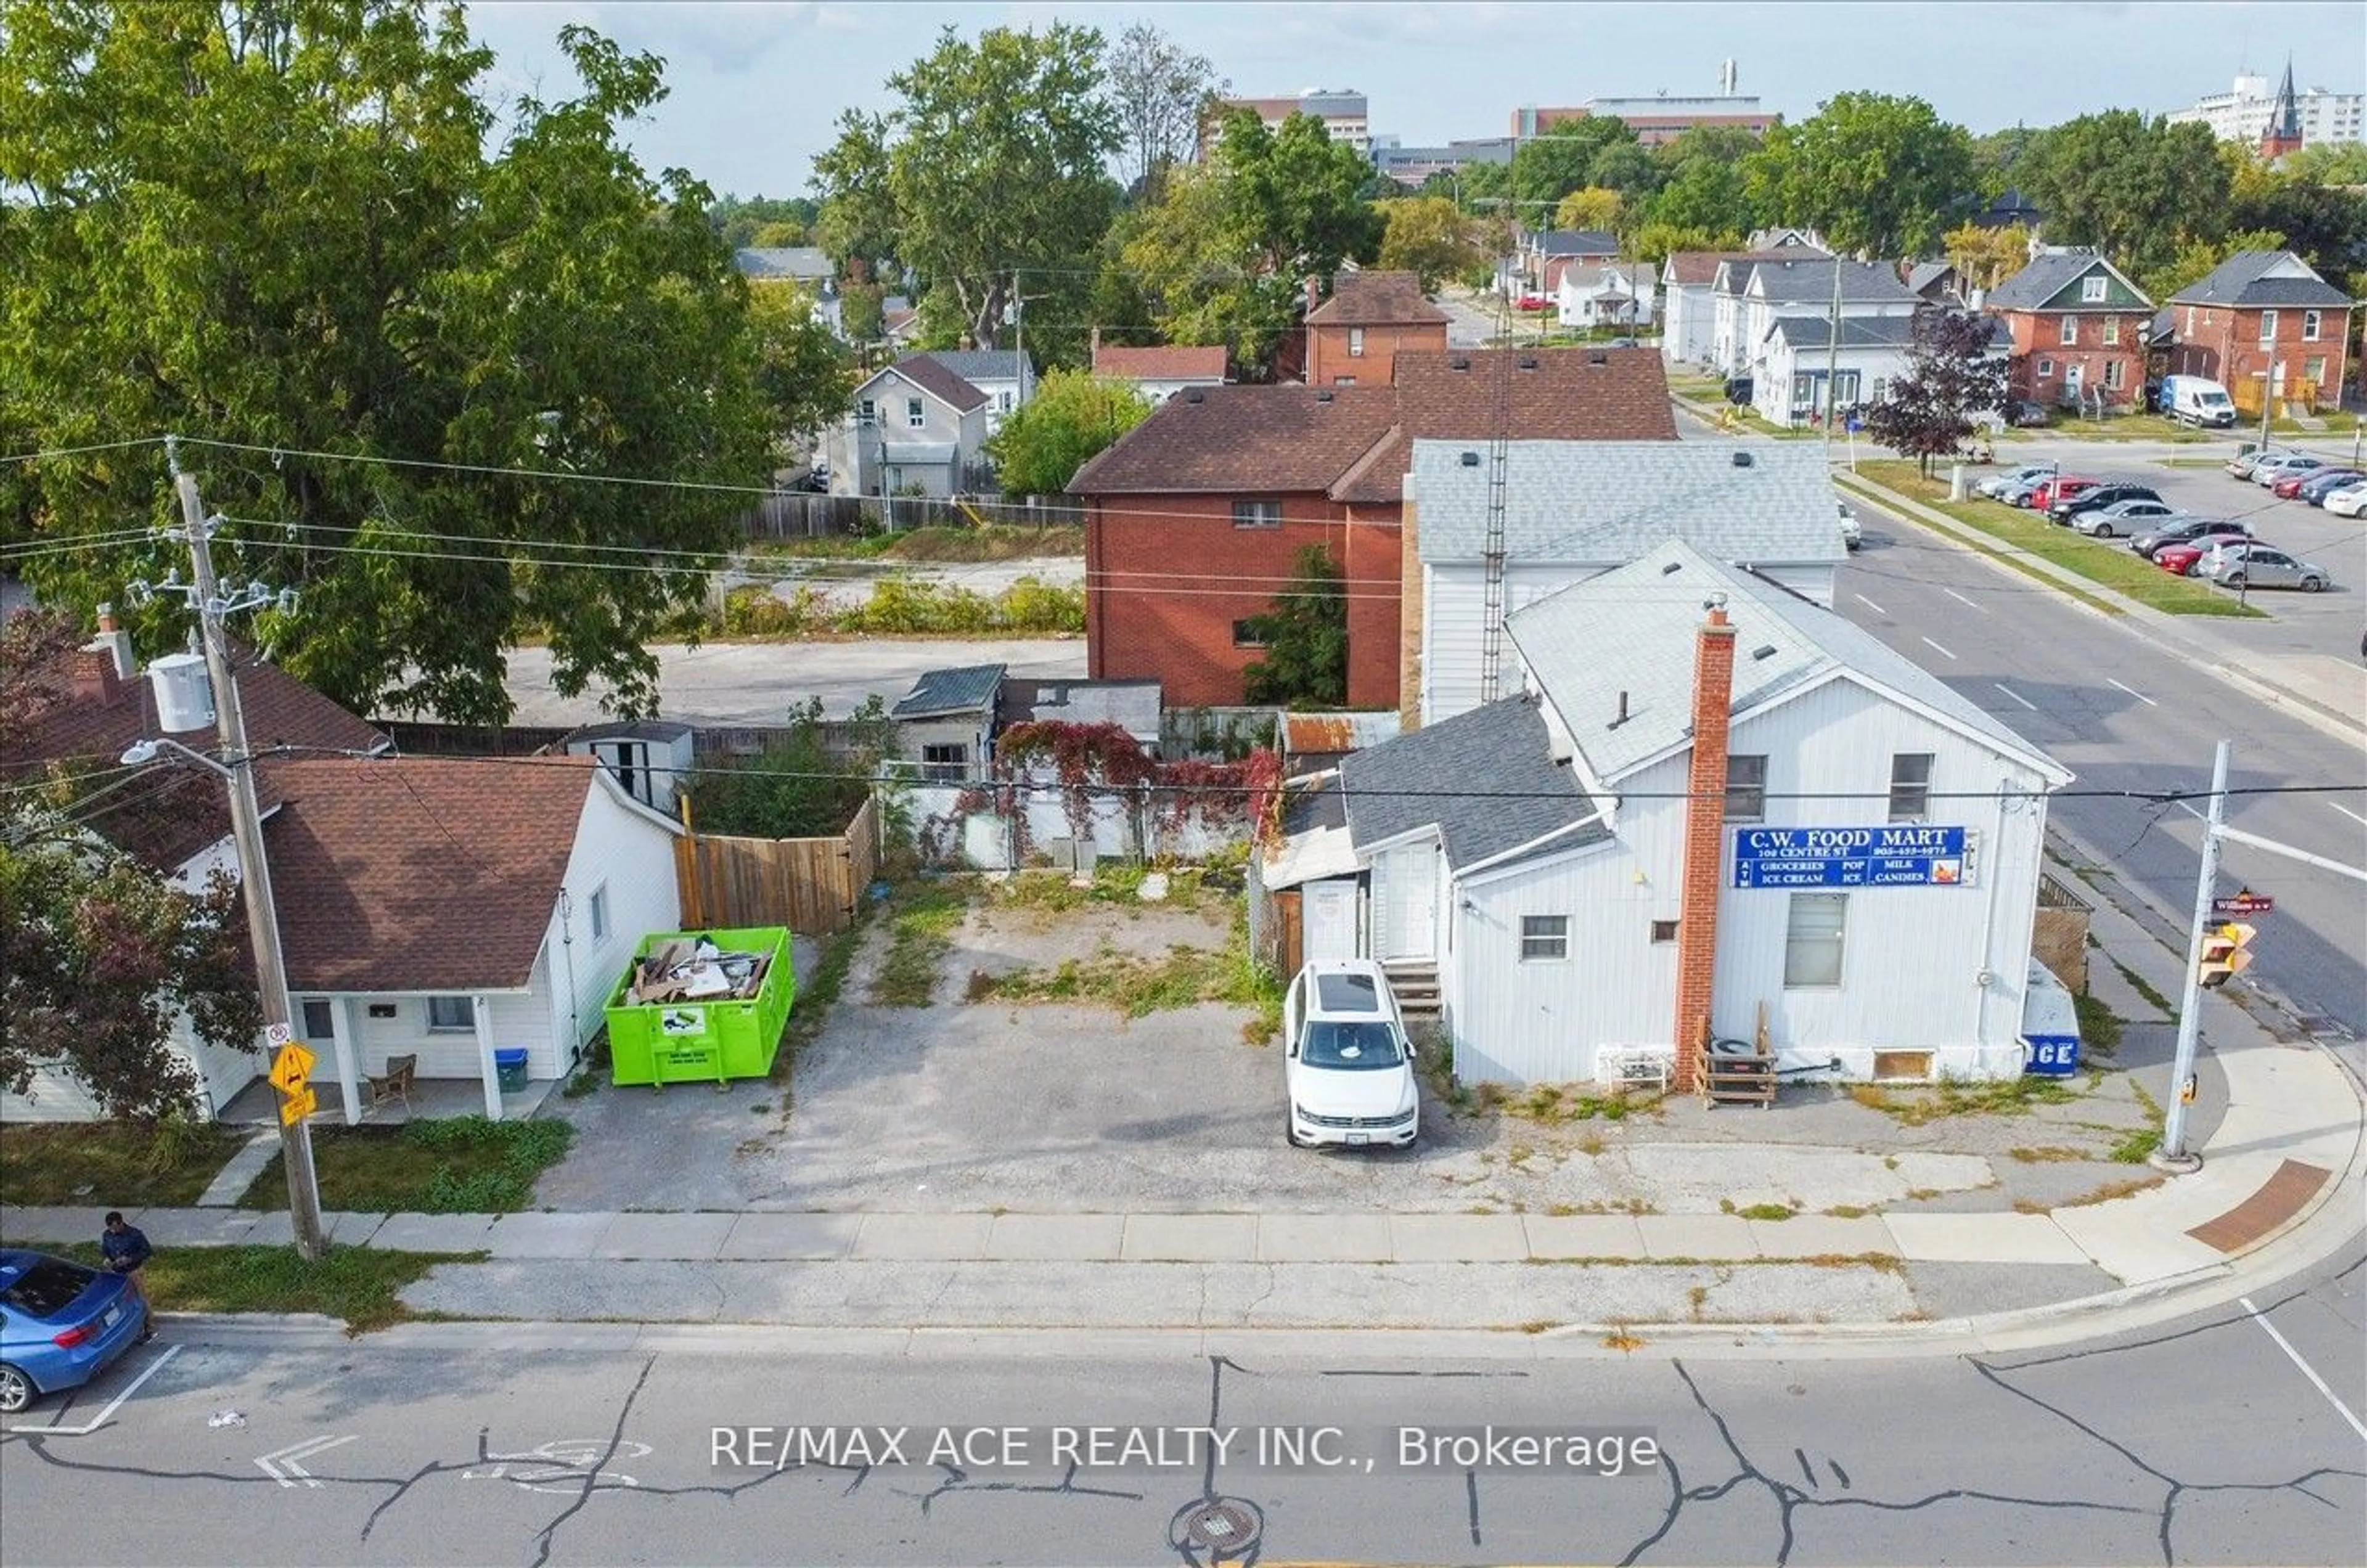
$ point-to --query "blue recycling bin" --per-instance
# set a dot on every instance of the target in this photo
(509, 1068)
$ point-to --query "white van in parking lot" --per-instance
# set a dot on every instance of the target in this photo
(2197, 399)
(1348, 1066)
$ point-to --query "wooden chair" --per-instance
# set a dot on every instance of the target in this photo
(396, 1082)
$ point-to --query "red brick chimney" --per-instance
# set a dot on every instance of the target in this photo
(1704, 842)
(106, 663)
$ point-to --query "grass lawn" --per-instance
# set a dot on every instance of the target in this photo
(922, 919)
(460, 1165)
(107, 1165)
(2106, 561)
(2119, 427)
(356, 1283)
(993, 542)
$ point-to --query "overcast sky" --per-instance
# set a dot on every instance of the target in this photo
(757, 86)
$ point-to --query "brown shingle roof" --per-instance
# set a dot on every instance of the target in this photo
(420, 874)
(1245, 440)
(1357, 447)
(1689, 267)
(929, 375)
(1164, 363)
(1376, 299)
(169, 810)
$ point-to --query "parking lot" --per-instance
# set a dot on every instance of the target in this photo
(2195, 480)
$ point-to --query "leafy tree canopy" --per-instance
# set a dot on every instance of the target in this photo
(1546, 168)
(1162, 93)
(1306, 639)
(1955, 376)
(1072, 416)
(1876, 174)
(807, 376)
(1592, 207)
(2135, 188)
(764, 220)
(1427, 236)
(279, 226)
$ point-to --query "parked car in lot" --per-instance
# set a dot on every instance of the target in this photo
(1348, 1066)
(2259, 565)
(2266, 475)
(2023, 414)
(2134, 515)
(2181, 560)
(2062, 487)
(2065, 508)
(2195, 400)
(2023, 494)
(2315, 488)
(1995, 485)
(60, 1325)
(2183, 532)
(2243, 464)
(2349, 500)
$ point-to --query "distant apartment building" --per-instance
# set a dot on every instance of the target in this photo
(1342, 111)
(1413, 165)
(2245, 112)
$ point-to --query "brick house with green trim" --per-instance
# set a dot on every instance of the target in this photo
(2079, 328)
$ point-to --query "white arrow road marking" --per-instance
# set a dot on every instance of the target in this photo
(2132, 692)
(281, 1464)
(1928, 643)
(2017, 696)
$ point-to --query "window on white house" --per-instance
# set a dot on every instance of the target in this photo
(1356, 342)
(319, 1021)
(2115, 372)
(947, 764)
(915, 414)
(600, 914)
(1664, 930)
(2268, 327)
(1911, 786)
(452, 1013)
(866, 411)
(2091, 289)
(2309, 325)
(2112, 331)
(1004, 401)
(1260, 514)
(2070, 331)
(1746, 788)
(1545, 937)
(1812, 938)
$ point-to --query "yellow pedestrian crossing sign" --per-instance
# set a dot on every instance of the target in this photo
(297, 1106)
(292, 1068)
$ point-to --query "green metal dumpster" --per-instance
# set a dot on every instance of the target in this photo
(701, 1007)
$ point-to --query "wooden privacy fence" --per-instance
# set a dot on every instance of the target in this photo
(811, 886)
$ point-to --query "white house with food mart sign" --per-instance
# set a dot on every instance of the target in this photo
(1857, 862)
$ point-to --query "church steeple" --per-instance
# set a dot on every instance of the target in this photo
(2282, 134)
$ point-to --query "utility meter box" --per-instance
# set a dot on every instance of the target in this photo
(701, 1007)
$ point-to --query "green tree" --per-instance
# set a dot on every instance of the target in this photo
(1875, 174)
(1306, 639)
(1426, 236)
(1293, 197)
(1655, 242)
(2137, 189)
(280, 228)
(2196, 259)
(1072, 416)
(988, 167)
(1704, 194)
(1546, 168)
(1592, 207)
(803, 785)
(98, 952)
(1160, 91)
(806, 374)
(739, 221)
(1986, 258)
(1997, 159)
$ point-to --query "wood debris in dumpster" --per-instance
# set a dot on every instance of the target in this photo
(683, 971)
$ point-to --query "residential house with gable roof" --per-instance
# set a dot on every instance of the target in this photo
(2263, 318)
(1689, 327)
(1160, 372)
(1706, 803)
(1003, 374)
(1544, 255)
(1196, 519)
(1353, 339)
(2079, 329)
(1576, 509)
(1751, 297)
(1606, 294)
(916, 427)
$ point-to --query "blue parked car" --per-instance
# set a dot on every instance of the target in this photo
(60, 1325)
(2318, 486)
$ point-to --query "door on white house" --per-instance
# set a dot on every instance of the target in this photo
(1405, 902)
(1328, 921)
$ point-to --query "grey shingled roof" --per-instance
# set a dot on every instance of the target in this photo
(965, 689)
(2048, 276)
(1631, 632)
(1574, 242)
(976, 365)
(1810, 280)
(805, 263)
(1602, 503)
(1485, 779)
(1863, 331)
(2241, 280)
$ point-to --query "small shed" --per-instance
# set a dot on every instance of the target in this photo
(701, 1007)
(945, 722)
(649, 757)
(1133, 705)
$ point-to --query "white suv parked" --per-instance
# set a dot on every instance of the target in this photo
(1349, 1066)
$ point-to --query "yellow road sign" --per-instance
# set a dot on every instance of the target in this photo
(291, 1068)
(297, 1106)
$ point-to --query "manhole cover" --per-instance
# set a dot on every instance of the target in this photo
(1220, 1524)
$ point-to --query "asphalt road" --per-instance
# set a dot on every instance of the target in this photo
(2205, 1442)
(2126, 717)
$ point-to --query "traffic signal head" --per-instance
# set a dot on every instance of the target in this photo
(2223, 954)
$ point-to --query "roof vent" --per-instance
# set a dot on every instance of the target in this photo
(1460, 362)
(1194, 395)
(1742, 459)
(1596, 357)
(1623, 713)
(1323, 397)
(1528, 362)
(1670, 567)
(1471, 459)
(1764, 650)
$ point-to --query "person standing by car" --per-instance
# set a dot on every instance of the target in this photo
(124, 1248)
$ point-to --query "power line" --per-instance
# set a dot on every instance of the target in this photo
(77, 451)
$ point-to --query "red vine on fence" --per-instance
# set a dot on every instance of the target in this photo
(1087, 760)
